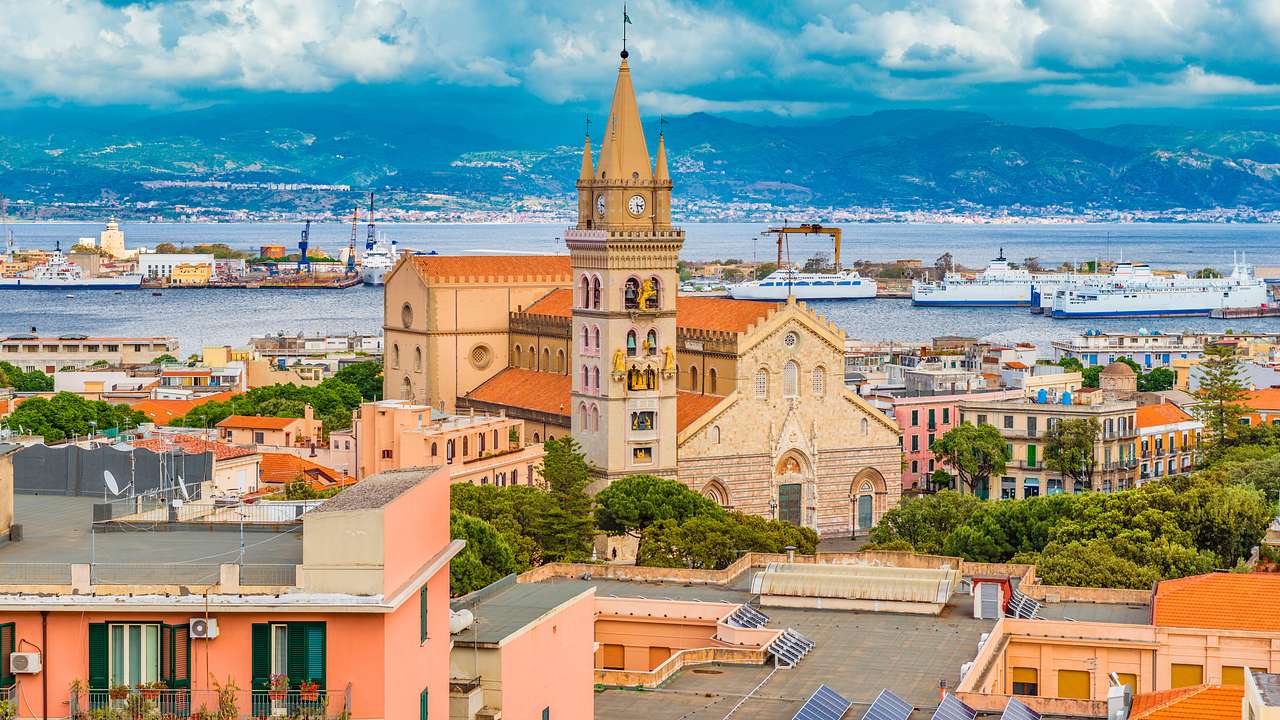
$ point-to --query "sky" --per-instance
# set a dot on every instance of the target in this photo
(488, 63)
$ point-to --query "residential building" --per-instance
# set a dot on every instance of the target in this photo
(925, 418)
(1264, 407)
(163, 412)
(193, 274)
(235, 469)
(184, 382)
(1023, 422)
(162, 266)
(104, 384)
(1168, 440)
(252, 431)
(77, 352)
(742, 401)
(281, 468)
(476, 448)
(1149, 348)
(365, 623)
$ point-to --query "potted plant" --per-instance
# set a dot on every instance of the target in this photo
(151, 690)
(279, 688)
(118, 692)
(309, 690)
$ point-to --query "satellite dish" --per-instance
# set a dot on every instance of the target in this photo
(182, 487)
(110, 480)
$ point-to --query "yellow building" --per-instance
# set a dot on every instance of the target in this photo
(191, 274)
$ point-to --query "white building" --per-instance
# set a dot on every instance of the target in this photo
(156, 266)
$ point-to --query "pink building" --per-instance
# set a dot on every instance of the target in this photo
(352, 618)
(479, 449)
(924, 419)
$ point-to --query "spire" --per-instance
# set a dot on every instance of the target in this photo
(623, 151)
(660, 172)
(588, 171)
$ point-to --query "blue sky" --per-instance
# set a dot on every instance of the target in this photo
(1067, 62)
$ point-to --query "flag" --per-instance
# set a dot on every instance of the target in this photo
(626, 19)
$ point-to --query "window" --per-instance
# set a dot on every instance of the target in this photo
(643, 420)
(631, 343)
(546, 713)
(865, 426)
(1031, 427)
(134, 650)
(915, 443)
(595, 337)
(595, 379)
(434, 449)
(651, 342)
(790, 379)
(395, 355)
(130, 653)
(946, 415)
(1183, 675)
(693, 378)
(586, 338)
(819, 381)
(915, 466)
(259, 437)
(586, 378)
(595, 293)
(386, 454)
(422, 614)
(1129, 679)
(1074, 684)
(933, 418)
(915, 418)
(1008, 422)
(295, 649)
(465, 448)
(423, 702)
(1232, 675)
(1026, 681)
(449, 450)
(642, 455)
(585, 297)
(711, 381)
(417, 359)
(762, 384)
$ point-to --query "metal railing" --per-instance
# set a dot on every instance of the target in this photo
(35, 573)
(272, 575)
(154, 574)
(206, 512)
(125, 703)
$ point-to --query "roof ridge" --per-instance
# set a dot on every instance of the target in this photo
(1173, 698)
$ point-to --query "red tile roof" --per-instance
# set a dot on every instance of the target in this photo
(254, 422)
(557, 303)
(163, 412)
(691, 406)
(492, 267)
(1164, 413)
(1227, 601)
(284, 468)
(1016, 365)
(720, 314)
(1265, 399)
(194, 445)
(1202, 702)
(529, 389)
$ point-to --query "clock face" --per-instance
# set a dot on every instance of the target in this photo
(636, 204)
(600, 205)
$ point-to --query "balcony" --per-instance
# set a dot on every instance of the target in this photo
(228, 703)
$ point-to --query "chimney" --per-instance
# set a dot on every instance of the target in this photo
(791, 553)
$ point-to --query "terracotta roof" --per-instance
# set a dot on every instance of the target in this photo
(691, 406)
(458, 267)
(1016, 365)
(1227, 601)
(557, 303)
(1265, 399)
(528, 389)
(708, 313)
(1164, 413)
(1201, 702)
(194, 445)
(284, 468)
(254, 422)
(162, 412)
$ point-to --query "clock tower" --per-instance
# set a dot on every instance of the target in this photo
(623, 251)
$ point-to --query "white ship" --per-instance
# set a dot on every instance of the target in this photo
(377, 262)
(62, 274)
(1129, 274)
(999, 284)
(781, 284)
(1165, 297)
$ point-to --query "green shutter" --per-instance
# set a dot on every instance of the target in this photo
(422, 705)
(98, 672)
(422, 611)
(296, 662)
(1031, 455)
(306, 659)
(316, 665)
(261, 656)
(7, 635)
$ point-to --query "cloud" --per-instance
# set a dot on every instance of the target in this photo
(681, 104)
(1189, 88)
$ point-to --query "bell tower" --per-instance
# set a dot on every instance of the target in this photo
(623, 251)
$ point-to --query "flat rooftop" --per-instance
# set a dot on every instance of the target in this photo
(56, 533)
(856, 653)
(501, 612)
(1097, 612)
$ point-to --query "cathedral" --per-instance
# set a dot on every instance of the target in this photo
(742, 401)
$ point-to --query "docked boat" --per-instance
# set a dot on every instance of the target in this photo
(63, 274)
(1043, 288)
(1000, 284)
(377, 261)
(1166, 297)
(785, 283)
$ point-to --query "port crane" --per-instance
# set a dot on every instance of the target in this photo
(351, 246)
(370, 238)
(303, 243)
(806, 229)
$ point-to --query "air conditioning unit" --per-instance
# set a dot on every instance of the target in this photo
(24, 663)
(204, 629)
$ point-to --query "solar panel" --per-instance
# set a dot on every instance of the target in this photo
(1015, 710)
(952, 709)
(823, 704)
(888, 706)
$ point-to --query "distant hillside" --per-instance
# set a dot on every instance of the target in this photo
(902, 159)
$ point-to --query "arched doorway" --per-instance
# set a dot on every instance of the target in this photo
(715, 490)
(791, 475)
(866, 485)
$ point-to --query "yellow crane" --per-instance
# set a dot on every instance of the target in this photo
(807, 229)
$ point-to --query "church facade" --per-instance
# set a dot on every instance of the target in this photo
(742, 401)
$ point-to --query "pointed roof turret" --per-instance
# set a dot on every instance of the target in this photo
(623, 154)
(660, 171)
(588, 171)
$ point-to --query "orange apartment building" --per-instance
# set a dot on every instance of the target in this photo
(358, 622)
(251, 430)
(477, 448)
(1168, 438)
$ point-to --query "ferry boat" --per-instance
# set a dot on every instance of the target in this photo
(1166, 297)
(61, 273)
(1000, 284)
(1044, 288)
(379, 257)
(781, 284)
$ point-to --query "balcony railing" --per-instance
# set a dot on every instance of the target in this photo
(210, 704)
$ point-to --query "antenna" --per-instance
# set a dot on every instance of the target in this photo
(111, 483)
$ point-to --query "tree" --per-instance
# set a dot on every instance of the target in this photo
(926, 521)
(1091, 377)
(973, 452)
(715, 541)
(67, 415)
(569, 521)
(24, 381)
(364, 376)
(485, 559)
(1071, 364)
(1221, 394)
(1156, 380)
(764, 270)
(631, 504)
(1207, 273)
(1068, 449)
(165, 358)
(820, 262)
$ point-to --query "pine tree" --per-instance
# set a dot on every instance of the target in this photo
(1221, 394)
(570, 525)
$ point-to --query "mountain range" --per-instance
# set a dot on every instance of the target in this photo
(899, 159)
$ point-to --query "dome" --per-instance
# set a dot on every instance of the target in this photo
(1118, 369)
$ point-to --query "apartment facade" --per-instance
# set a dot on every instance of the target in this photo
(165, 266)
(48, 354)
(1168, 439)
(1149, 349)
(252, 431)
(925, 418)
(1023, 423)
